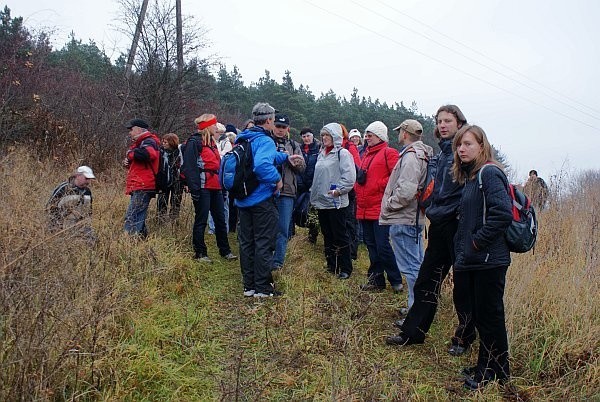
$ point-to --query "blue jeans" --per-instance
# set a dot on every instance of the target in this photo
(285, 206)
(135, 217)
(381, 255)
(407, 242)
(211, 222)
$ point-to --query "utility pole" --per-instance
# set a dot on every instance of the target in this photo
(136, 38)
(179, 38)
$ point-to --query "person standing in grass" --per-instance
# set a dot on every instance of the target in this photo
(439, 254)
(287, 196)
(536, 189)
(482, 254)
(399, 206)
(201, 162)
(70, 205)
(258, 215)
(310, 152)
(373, 175)
(334, 178)
(142, 161)
(173, 195)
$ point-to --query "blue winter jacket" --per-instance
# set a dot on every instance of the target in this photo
(446, 192)
(478, 245)
(266, 158)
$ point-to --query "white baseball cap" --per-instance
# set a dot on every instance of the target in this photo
(86, 171)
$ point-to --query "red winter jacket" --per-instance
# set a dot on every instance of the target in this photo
(351, 147)
(143, 157)
(378, 161)
(212, 162)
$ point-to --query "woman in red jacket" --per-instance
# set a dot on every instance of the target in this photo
(371, 180)
(201, 162)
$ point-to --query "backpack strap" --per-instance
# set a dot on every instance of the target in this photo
(480, 181)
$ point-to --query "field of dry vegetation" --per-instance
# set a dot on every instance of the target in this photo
(141, 320)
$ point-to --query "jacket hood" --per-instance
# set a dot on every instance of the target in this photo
(421, 149)
(252, 133)
(335, 130)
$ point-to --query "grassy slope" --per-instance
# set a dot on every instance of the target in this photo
(143, 321)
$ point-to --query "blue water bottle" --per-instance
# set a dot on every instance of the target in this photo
(336, 203)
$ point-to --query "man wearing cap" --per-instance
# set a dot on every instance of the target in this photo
(141, 160)
(70, 205)
(399, 206)
(258, 213)
(287, 196)
(372, 177)
(310, 152)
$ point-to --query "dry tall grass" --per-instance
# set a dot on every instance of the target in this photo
(141, 320)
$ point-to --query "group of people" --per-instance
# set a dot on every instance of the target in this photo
(358, 189)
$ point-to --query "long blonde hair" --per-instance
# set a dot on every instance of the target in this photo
(207, 138)
(485, 156)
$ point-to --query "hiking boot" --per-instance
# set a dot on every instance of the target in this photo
(478, 381)
(274, 293)
(398, 288)
(343, 275)
(230, 257)
(371, 287)
(249, 292)
(458, 350)
(401, 340)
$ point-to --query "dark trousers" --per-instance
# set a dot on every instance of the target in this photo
(205, 201)
(257, 232)
(352, 224)
(233, 215)
(173, 196)
(333, 223)
(439, 257)
(486, 288)
(381, 255)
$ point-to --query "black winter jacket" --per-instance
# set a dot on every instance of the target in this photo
(478, 246)
(305, 179)
(446, 192)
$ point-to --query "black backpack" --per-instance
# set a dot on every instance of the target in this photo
(236, 174)
(522, 232)
(164, 178)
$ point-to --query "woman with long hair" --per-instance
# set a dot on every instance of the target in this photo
(482, 255)
(170, 143)
(201, 162)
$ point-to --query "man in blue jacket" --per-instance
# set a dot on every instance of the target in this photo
(439, 255)
(258, 214)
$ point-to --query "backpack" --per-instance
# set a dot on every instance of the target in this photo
(236, 174)
(424, 196)
(164, 177)
(522, 232)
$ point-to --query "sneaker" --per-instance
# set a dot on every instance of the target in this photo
(398, 288)
(203, 258)
(401, 340)
(403, 312)
(249, 292)
(371, 287)
(274, 293)
(399, 323)
(343, 275)
(458, 350)
(230, 257)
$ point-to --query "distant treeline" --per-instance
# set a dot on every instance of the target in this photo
(71, 103)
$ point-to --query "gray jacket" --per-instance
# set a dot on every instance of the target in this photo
(336, 167)
(399, 204)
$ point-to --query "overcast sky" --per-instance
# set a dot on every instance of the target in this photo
(525, 71)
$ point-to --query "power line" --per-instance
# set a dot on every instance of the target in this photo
(488, 57)
(451, 66)
(474, 60)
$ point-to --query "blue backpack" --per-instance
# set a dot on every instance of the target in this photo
(236, 174)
